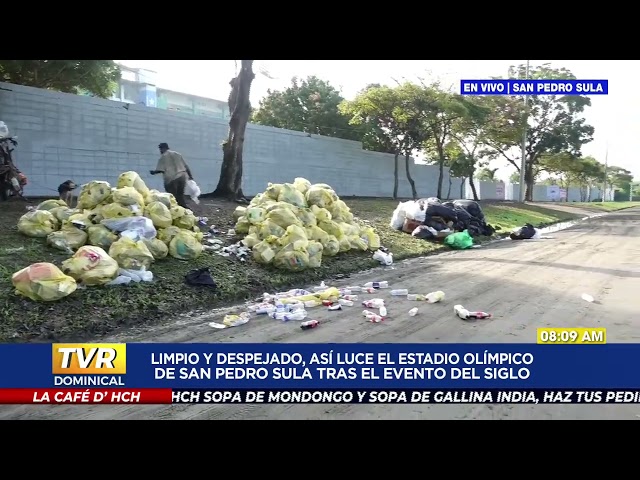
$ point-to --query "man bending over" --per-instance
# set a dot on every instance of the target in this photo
(175, 171)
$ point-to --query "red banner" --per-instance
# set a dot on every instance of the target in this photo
(37, 396)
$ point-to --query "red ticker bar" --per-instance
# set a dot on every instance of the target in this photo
(35, 396)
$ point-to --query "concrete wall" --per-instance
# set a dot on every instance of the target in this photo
(63, 136)
(486, 190)
(540, 193)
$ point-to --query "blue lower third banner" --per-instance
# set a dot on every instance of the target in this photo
(534, 87)
(224, 366)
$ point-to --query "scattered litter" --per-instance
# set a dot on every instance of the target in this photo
(376, 285)
(588, 298)
(200, 277)
(413, 312)
(383, 311)
(354, 289)
(288, 316)
(525, 232)
(191, 189)
(352, 298)
(401, 292)
(383, 257)
(373, 303)
(435, 297)
(7, 251)
(345, 302)
(320, 287)
(309, 324)
(231, 232)
(232, 321)
(335, 307)
(128, 275)
(465, 314)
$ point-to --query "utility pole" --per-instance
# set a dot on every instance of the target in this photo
(606, 166)
(523, 162)
(631, 192)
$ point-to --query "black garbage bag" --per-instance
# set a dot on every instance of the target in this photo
(423, 233)
(439, 210)
(462, 215)
(435, 223)
(430, 200)
(448, 204)
(472, 207)
(523, 233)
(200, 277)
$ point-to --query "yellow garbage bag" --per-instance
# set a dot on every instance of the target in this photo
(322, 214)
(269, 228)
(302, 184)
(358, 243)
(255, 215)
(95, 215)
(317, 234)
(242, 226)
(371, 237)
(239, 212)
(251, 240)
(345, 245)
(115, 210)
(51, 204)
(265, 251)
(258, 199)
(159, 214)
(62, 213)
(101, 236)
(132, 179)
(67, 238)
(43, 282)
(283, 217)
(127, 196)
(91, 265)
(187, 222)
(199, 236)
(131, 255)
(167, 234)
(349, 228)
(157, 248)
(273, 190)
(332, 228)
(292, 195)
(292, 259)
(92, 194)
(165, 198)
(38, 223)
(320, 197)
(307, 217)
(185, 246)
(328, 294)
(271, 205)
(177, 211)
(331, 246)
(81, 218)
(295, 236)
(339, 211)
(314, 249)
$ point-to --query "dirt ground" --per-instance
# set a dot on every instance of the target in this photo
(526, 285)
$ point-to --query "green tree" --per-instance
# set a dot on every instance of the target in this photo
(487, 174)
(514, 178)
(620, 179)
(309, 105)
(555, 124)
(98, 77)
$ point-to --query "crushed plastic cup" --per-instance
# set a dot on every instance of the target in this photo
(588, 298)
(413, 312)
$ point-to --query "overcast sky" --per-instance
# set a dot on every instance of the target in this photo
(616, 116)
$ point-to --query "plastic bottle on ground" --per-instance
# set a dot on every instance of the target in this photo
(367, 313)
(369, 290)
(344, 291)
(309, 324)
(297, 315)
(345, 302)
(413, 312)
(353, 298)
(373, 303)
(400, 292)
(383, 311)
(320, 287)
(435, 297)
(355, 289)
(416, 298)
(293, 307)
(375, 318)
(376, 285)
(280, 306)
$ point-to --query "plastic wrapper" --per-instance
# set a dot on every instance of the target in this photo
(159, 214)
(127, 196)
(51, 204)
(131, 254)
(167, 234)
(292, 259)
(167, 199)
(115, 210)
(101, 236)
(43, 282)
(68, 238)
(92, 194)
(157, 248)
(38, 223)
(185, 246)
(291, 195)
(132, 179)
(91, 265)
(302, 184)
(296, 236)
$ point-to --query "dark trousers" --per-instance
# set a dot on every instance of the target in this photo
(176, 188)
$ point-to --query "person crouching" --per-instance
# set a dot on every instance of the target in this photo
(65, 190)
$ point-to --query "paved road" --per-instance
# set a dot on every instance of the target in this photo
(526, 284)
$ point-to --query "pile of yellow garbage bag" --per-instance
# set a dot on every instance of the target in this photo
(124, 227)
(293, 225)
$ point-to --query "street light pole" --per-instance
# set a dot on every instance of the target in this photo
(523, 162)
(606, 166)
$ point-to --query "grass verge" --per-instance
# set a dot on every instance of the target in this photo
(605, 206)
(100, 310)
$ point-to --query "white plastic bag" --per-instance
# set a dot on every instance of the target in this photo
(142, 226)
(4, 130)
(127, 276)
(414, 211)
(399, 215)
(192, 190)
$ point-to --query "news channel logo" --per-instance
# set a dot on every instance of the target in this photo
(534, 87)
(89, 359)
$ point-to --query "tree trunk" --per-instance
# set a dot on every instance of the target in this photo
(529, 182)
(395, 176)
(230, 183)
(473, 189)
(407, 157)
(440, 174)
(450, 185)
(462, 181)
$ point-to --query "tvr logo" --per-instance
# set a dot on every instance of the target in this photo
(89, 359)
